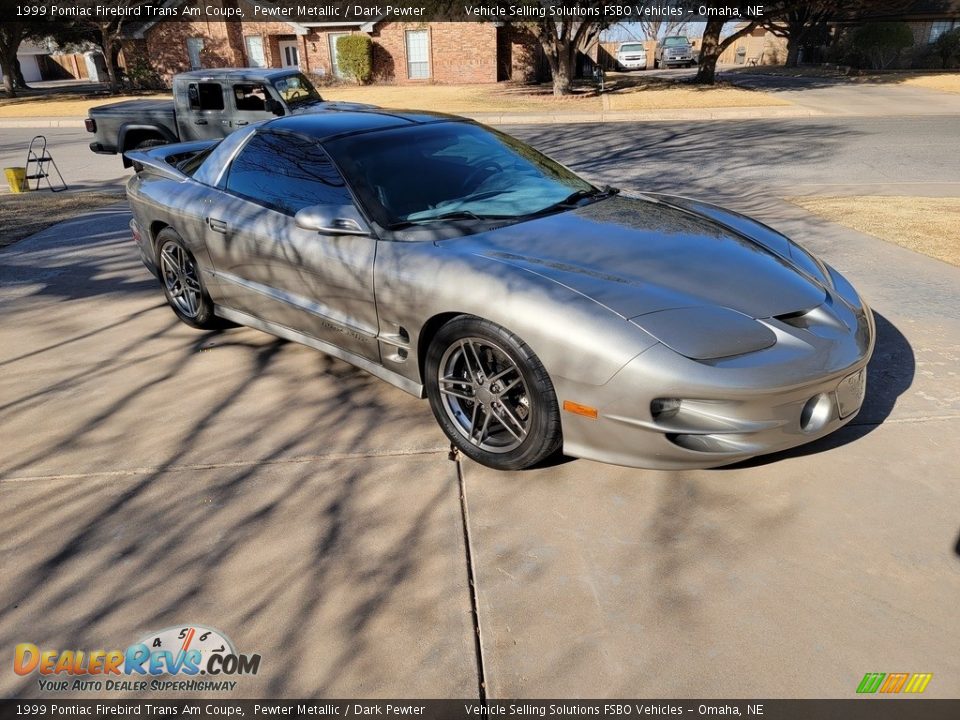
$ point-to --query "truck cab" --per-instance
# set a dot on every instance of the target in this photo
(206, 105)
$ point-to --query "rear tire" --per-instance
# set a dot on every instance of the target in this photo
(149, 143)
(182, 282)
(491, 395)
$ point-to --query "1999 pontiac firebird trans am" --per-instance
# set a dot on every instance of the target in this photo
(538, 313)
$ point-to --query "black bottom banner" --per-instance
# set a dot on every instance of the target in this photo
(853, 709)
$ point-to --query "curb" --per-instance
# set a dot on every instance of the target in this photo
(605, 116)
(65, 122)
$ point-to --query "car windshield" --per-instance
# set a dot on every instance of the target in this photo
(296, 90)
(675, 42)
(635, 47)
(453, 170)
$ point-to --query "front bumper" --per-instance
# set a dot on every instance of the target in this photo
(731, 409)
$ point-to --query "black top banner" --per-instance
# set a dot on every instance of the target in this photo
(366, 11)
(854, 709)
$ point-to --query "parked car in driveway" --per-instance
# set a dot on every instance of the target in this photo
(207, 104)
(536, 311)
(632, 56)
(674, 51)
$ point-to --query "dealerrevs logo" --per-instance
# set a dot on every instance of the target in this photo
(184, 651)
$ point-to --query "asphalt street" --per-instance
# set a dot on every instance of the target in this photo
(155, 475)
(728, 157)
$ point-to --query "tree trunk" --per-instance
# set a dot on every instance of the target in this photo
(561, 55)
(107, 46)
(793, 51)
(7, 64)
(710, 52)
(18, 79)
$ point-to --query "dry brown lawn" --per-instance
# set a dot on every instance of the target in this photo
(633, 92)
(947, 82)
(925, 225)
(677, 96)
(63, 104)
(27, 213)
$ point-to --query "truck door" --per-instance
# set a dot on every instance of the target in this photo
(248, 103)
(204, 115)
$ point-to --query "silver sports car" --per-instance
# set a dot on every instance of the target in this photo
(537, 312)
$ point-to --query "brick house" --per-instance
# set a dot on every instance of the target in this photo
(403, 52)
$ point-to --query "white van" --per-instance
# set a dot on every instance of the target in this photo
(632, 56)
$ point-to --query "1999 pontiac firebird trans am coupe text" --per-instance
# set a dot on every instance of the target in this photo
(535, 311)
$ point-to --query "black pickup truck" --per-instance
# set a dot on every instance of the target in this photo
(206, 105)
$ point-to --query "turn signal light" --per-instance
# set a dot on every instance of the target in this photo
(578, 409)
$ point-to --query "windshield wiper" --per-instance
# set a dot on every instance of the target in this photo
(452, 215)
(571, 200)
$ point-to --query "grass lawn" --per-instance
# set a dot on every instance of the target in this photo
(63, 104)
(946, 82)
(925, 225)
(27, 213)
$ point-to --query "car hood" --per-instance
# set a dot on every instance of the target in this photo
(637, 256)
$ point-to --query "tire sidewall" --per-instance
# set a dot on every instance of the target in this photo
(543, 437)
(205, 318)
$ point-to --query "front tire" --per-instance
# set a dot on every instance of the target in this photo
(491, 395)
(182, 282)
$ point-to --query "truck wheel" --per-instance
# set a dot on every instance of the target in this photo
(149, 143)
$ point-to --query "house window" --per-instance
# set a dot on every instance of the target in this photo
(334, 64)
(939, 28)
(255, 56)
(418, 54)
(205, 96)
(194, 48)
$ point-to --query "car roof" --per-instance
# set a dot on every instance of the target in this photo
(237, 73)
(327, 124)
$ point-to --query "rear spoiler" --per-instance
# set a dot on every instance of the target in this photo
(162, 160)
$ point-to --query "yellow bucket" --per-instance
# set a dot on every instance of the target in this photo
(17, 179)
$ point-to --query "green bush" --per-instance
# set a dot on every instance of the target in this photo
(947, 47)
(354, 56)
(882, 42)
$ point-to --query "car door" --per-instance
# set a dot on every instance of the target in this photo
(267, 267)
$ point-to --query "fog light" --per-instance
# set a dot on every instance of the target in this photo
(664, 408)
(816, 413)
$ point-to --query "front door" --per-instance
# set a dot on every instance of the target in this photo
(320, 285)
(289, 54)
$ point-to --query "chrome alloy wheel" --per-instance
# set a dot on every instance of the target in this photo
(484, 394)
(180, 278)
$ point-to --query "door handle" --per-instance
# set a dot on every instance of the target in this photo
(240, 123)
(217, 225)
(199, 122)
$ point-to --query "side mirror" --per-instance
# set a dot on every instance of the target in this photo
(332, 220)
(274, 106)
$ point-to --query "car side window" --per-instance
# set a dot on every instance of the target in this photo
(205, 96)
(286, 173)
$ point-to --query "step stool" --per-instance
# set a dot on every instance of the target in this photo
(39, 164)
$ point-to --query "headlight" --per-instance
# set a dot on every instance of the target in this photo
(706, 333)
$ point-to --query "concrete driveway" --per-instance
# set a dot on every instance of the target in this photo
(154, 475)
